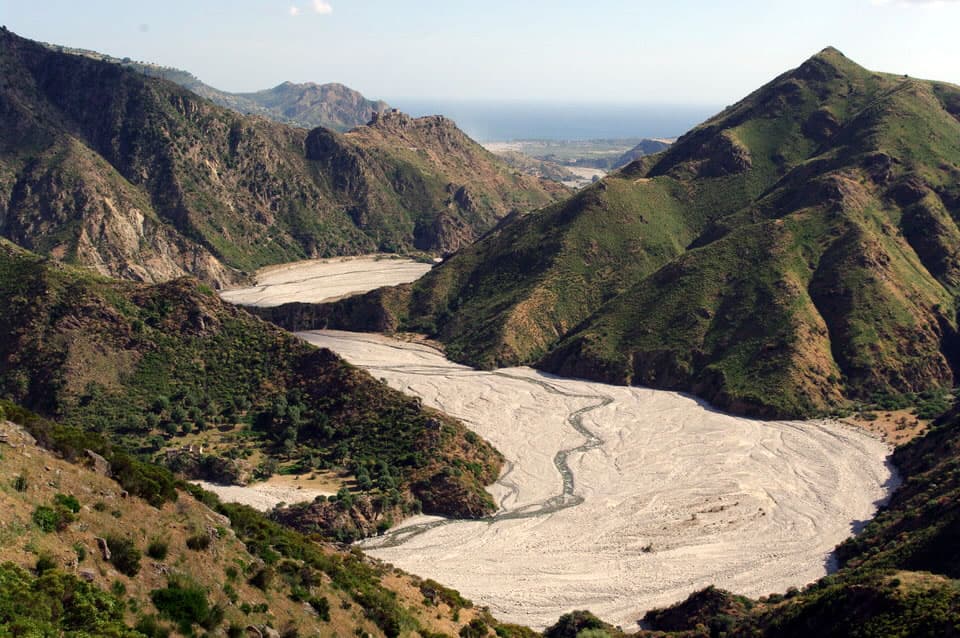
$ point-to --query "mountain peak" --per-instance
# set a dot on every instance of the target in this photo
(826, 64)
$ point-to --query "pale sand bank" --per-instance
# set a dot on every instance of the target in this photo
(676, 496)
(264, 496)
(320, 280)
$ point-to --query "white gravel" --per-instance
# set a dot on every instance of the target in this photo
(675, 495)
(262, 496)
(320, 280)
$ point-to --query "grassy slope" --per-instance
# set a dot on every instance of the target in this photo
(147, 364)
(177, 184)
(820, 211)
(71, 597)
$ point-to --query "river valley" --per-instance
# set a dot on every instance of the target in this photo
(615, 499)
(621, 499)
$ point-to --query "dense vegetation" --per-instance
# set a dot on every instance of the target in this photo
(157, 368)
(142, 179)
(56, 604)
(829, 198)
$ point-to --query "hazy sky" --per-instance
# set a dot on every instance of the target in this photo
(669, 51)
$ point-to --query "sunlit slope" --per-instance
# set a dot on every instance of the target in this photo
(794, 251)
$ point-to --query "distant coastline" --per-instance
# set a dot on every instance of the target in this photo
(499, 122)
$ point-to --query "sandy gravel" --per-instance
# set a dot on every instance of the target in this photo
(663, 495)
(325, 279)
(263, 496)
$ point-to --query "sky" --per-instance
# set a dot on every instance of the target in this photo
(674, 52)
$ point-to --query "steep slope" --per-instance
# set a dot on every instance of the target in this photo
(644, 148)
(77, 558)
(797, 250)
(169, 367)
(141, 179)
(307, 105)
(330, 105)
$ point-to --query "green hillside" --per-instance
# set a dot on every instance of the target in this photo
(139, 178)
(796, 251)
(165, 367)
(82, 554)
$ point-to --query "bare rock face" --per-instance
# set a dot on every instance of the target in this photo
(103, 547)
(100, 465)
(14, 435)
(194, 464)
(357, 519)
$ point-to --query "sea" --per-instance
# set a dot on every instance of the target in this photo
(501, 122)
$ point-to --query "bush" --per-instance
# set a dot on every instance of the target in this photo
(477, 629)
(45, 563)
(69, 502)
(157, 549)
(50, 519)
(262, 579)
(184, 604)
(321, 605)
(20, 483)
(124, 555)
(55, 604)
(150, 627)
(198, 542)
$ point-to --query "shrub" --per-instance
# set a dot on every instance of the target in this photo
(45, 518)
(198, 542)
(321, 605)
(150, 627)
(45, 563)
(263, 578)
(50, 519)
(185, 605)
(20, 483)
(124, 555)
(157, 549)
(69, 502)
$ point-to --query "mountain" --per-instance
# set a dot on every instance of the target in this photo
(307, 105)
(644, 148)
(169, 368)
(142, 179)
(331, 105)
(794, 252)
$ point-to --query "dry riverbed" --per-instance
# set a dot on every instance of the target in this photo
(619, 499)
(277, 489)
(319, 280)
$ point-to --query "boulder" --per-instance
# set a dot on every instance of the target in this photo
(100, 465)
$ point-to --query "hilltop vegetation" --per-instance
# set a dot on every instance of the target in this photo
(793, 253)
(139, 178)
(158, 368)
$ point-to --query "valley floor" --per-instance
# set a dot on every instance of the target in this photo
(623, 499)
(319, 280)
